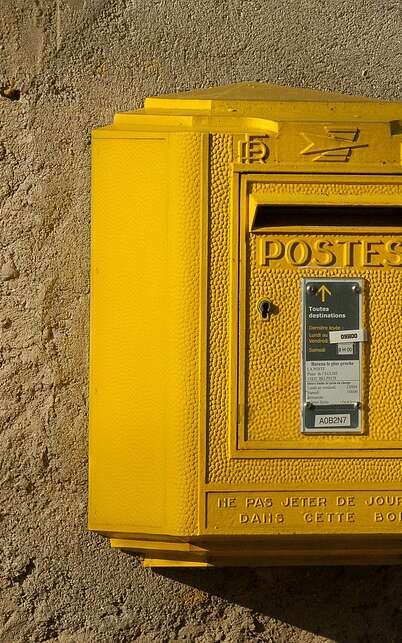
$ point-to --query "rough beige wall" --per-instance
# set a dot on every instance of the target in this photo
(75, 62)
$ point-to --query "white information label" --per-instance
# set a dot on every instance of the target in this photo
(329, 421)
(345, 349)
(347, 336)
(333, 382)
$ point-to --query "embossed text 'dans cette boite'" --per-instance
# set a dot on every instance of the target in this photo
(282, 512)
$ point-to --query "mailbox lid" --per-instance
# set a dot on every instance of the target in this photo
(297, 129)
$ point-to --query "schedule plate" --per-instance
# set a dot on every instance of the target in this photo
(332, 337)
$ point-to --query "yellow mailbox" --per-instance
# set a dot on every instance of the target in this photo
(246, 329)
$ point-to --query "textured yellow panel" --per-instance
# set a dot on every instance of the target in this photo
(186, 154)
(273, 349)
(218, 468)
(263, 469)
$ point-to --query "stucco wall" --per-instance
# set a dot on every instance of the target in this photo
(74, 63)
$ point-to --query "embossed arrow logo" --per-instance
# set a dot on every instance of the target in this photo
(336, 146)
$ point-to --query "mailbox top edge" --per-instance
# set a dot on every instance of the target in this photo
(249, 106)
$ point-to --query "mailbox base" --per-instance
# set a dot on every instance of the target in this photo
(276, 551)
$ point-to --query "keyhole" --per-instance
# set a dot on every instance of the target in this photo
(265, 308)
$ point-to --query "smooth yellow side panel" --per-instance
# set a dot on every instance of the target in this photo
(127, 335)
(144, 335)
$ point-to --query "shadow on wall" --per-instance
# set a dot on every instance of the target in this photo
(345, 604)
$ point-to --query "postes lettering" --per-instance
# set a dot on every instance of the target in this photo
(298, 252)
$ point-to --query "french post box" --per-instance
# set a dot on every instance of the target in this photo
(246, 329)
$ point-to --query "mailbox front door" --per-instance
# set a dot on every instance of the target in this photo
(315, 328)
(319, 331)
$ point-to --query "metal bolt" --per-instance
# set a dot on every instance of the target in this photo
(356, 289)
(356, 405)
(309, 405)
(311, 289)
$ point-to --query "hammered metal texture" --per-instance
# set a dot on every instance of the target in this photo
(184, 229)
(218, 464)
(274, 354)
(296, 470)
(273, 364)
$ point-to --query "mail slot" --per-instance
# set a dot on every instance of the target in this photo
(246, 329)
